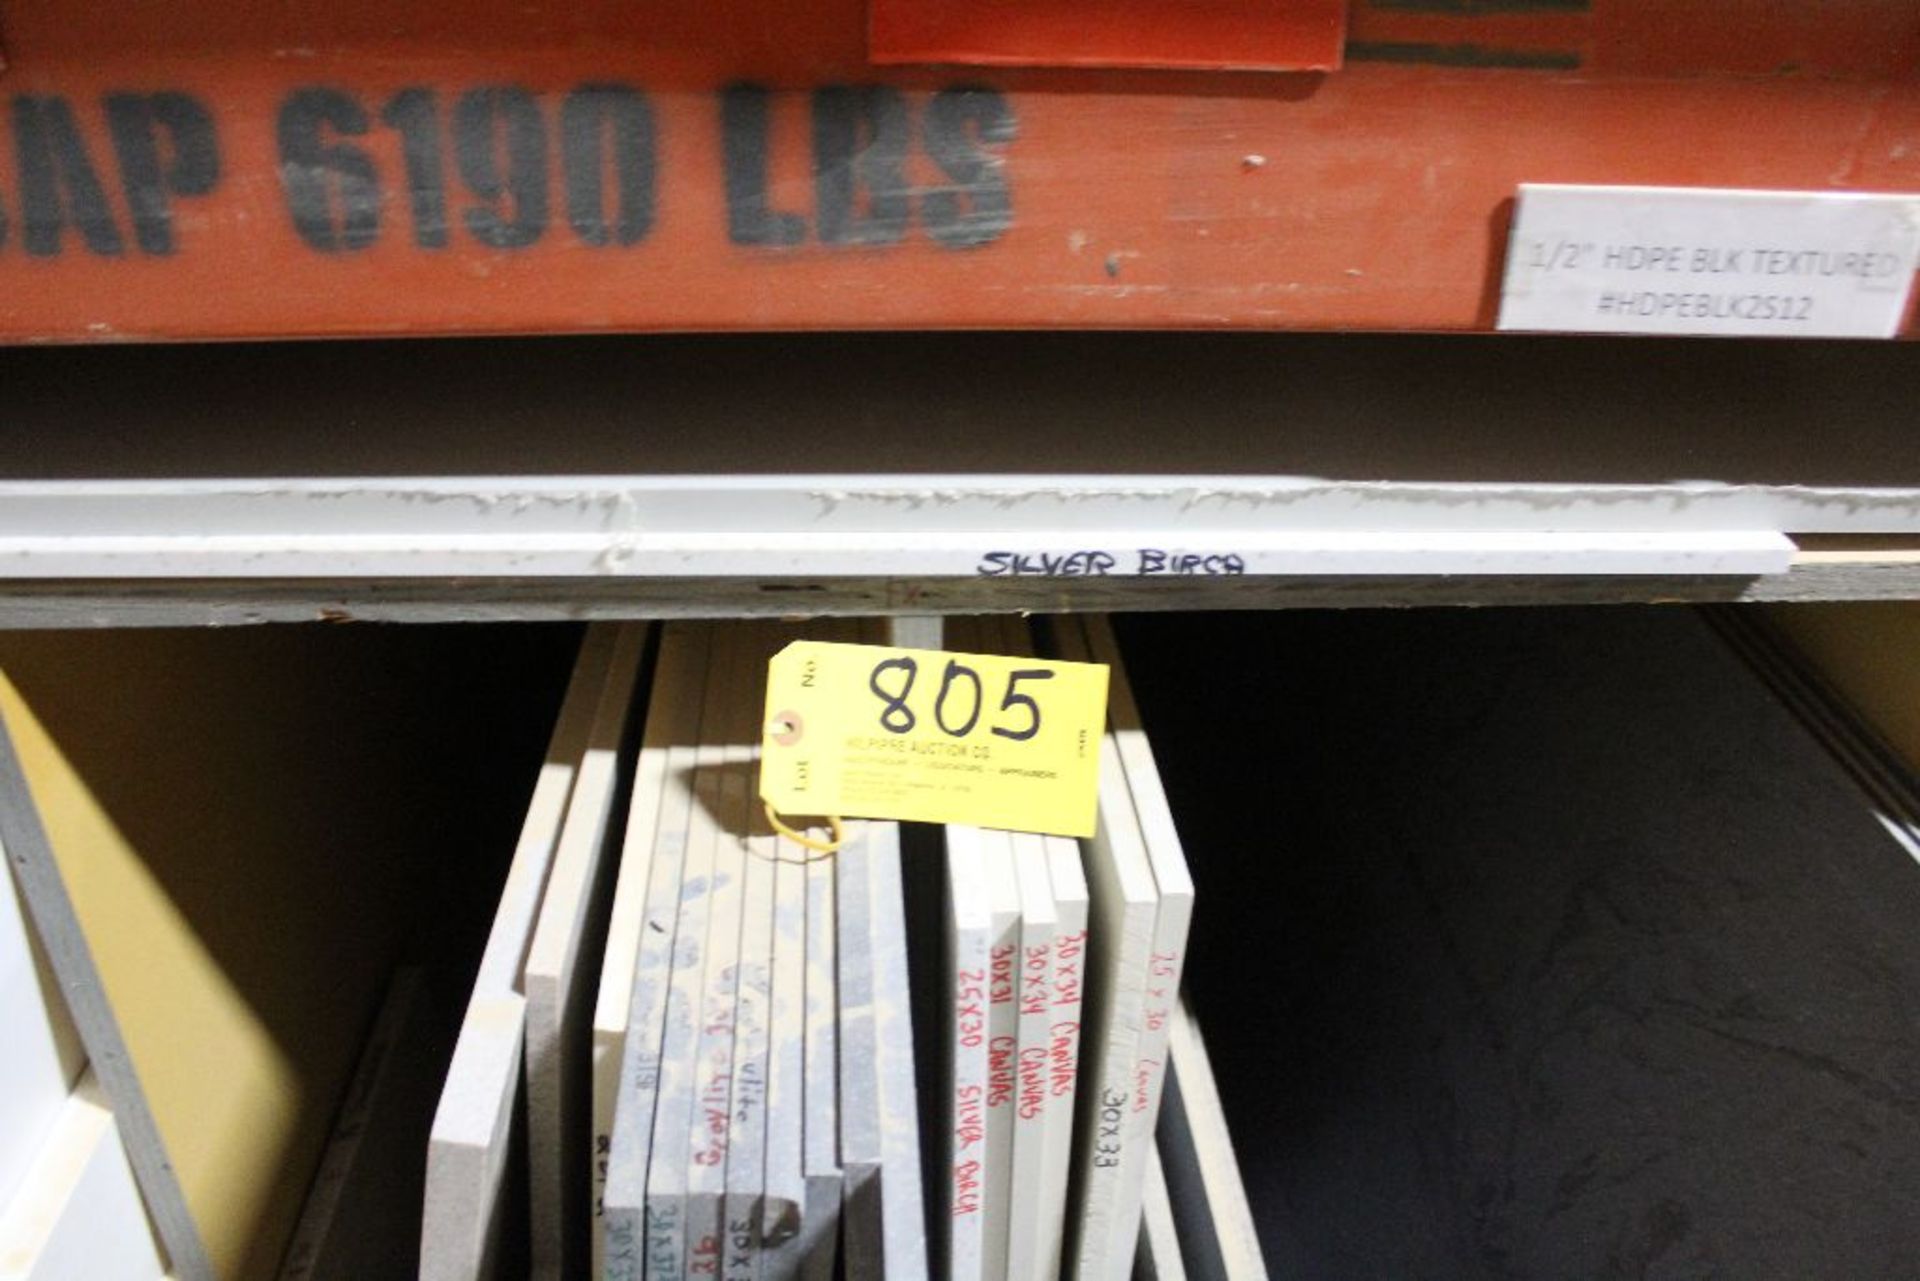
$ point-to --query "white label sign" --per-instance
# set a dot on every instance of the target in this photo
(1679, 260)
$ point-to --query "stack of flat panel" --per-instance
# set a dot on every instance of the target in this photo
(690, 1047)
(1555, 945)
(651, 1079)
(1142, 906)
(497, 1179)
(1014, 941)
(752, 1106)
(1048, 1129)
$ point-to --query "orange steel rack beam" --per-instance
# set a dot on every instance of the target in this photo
(224, 168)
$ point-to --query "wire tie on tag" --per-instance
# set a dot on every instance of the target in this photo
(821, 849)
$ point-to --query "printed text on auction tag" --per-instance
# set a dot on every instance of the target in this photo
(872, 731)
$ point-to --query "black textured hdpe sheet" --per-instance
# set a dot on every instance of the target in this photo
(1539, 944)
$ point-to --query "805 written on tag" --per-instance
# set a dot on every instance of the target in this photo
(874, 731)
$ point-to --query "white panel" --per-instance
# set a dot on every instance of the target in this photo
(963, 1052)
(467, 1149)
(1057, 553)
(925, 525)
(1175, 884)
(40, 1055)
(902, 1190)
(557, 976)
(636, 956)
(79, 1217)
(1125, 909)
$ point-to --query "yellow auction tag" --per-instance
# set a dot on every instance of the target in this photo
(926, 736)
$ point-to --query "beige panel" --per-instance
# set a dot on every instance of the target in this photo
(1871, 653)
(225, 813)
